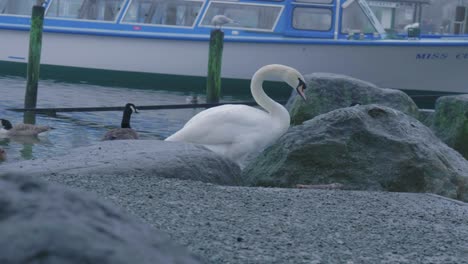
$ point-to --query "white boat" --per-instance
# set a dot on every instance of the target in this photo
(164, 43)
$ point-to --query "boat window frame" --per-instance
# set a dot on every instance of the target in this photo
(368, 14)
(313, 7)
(291, 31)
(275, 24)
(116, 19)
(194, 24)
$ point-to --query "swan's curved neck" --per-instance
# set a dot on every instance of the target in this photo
(275, 109)
(126, 119)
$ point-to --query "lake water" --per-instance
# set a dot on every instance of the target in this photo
(77, 129)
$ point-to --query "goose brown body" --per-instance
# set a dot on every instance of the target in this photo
(22, 129)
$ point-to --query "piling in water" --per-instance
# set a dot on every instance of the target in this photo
(35, 44)
(213, 84)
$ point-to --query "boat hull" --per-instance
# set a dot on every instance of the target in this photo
(405, 67)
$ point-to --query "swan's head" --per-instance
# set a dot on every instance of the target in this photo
(280, 72)
(295, 80)
(131, 108)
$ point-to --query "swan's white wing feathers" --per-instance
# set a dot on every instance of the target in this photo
(221, 125)
(228, 113)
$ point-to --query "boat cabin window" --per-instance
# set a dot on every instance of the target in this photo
(17, 7)
(354, 20)
(394, 16)
(437, 17)
(312, 18)
(164, 12)
(105, 10)
(248, 16)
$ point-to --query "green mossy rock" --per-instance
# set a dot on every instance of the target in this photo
(326, 92)
(368, 147)
(451, 122)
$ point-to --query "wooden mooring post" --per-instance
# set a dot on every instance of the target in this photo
(213, 83)
(34, 58)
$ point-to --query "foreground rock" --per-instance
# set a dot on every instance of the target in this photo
(450, 122)
(152, 158)
(238, 225)
(47, 223)
(327, 92)
(366, 148)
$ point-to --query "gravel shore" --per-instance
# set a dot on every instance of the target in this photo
(267, 225)
(226, 224)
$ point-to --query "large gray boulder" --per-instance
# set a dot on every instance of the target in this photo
(450, 122)
(366, 148)
(327, 91)
(124, 158)
(48, 223)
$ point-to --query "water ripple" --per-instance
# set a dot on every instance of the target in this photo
(75, 129)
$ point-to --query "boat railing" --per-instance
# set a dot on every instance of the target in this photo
(371, 16)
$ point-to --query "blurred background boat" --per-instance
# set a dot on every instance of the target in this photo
(164, 43)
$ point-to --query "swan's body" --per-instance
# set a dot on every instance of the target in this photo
(235, 131)
(125, 131)
(22, 129)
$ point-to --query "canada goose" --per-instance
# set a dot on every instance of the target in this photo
(2, 154)
(125, 131)
(21, 129)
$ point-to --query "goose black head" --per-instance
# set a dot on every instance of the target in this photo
(6, 124)
(131, 107)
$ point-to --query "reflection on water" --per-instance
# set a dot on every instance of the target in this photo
(71, 130)
(26, 151)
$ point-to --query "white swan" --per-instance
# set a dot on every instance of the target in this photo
(235, 131)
